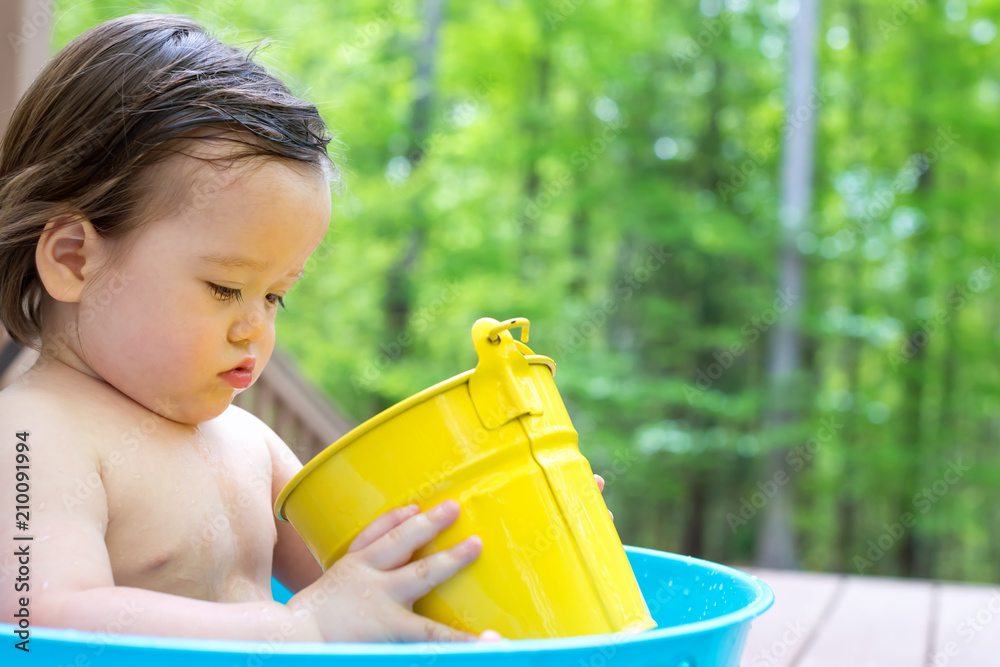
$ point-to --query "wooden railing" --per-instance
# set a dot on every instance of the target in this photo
(298, 413)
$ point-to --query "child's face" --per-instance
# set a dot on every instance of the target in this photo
(165, 334)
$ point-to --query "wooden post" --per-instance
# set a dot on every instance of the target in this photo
(25, 40)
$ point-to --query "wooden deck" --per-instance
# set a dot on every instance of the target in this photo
(821, 620)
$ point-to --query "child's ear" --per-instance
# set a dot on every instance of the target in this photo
(68, 253)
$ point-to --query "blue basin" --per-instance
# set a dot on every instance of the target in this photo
(703, 611)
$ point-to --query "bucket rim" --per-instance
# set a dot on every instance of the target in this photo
(377, 420)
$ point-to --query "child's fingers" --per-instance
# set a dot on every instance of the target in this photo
(395, 548)
(413, 628)
(380, 526)
(600, 482)
(412, 582)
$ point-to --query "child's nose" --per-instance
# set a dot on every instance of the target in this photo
(249, 327)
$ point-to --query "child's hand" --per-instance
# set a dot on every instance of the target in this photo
(600, 487)
(368, 594)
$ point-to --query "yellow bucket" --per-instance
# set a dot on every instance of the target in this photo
(498, 440)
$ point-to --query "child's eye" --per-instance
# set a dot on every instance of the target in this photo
(226, 293)
(231, 293)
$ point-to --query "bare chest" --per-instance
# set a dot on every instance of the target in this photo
(190, 515)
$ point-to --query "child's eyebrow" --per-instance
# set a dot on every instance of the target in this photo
(239, 262)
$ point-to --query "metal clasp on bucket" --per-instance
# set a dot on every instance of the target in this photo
(501, 387)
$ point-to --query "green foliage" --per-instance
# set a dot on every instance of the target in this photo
(570, 145)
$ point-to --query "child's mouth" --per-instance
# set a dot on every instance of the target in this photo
(241, 376)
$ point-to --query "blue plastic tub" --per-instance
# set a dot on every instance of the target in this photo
(703, 610)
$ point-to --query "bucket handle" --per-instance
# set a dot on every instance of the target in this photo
(494, 334)
(501, 388)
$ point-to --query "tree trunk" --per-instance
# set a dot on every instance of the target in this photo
(398, 297)
(912, 551)
(775, 543)
(533, 129)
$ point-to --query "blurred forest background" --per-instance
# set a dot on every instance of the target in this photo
(612, 172)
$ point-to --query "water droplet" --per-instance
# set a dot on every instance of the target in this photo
(367, 594)
(138, 476)
(41, 506)
(45, 585)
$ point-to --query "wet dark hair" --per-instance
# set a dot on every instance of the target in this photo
(117, 100)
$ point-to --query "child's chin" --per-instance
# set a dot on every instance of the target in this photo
(194, 412)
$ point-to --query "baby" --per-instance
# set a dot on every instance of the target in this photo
(160, 194)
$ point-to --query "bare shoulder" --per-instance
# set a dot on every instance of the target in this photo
(236, 417)
(54, 417)
(248, 427)
(51, 442)
(253, 425)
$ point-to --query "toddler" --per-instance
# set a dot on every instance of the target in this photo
(160, 194)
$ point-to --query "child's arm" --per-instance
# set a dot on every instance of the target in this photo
(293, 565)
(365, 596)
(70, 581)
